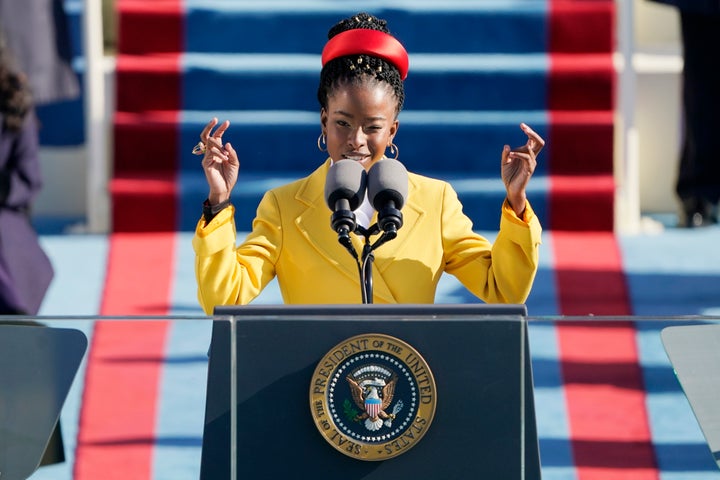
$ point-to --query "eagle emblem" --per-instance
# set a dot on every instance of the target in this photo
(373, 395)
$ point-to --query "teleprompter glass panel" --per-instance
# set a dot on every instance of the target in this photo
(83, 396)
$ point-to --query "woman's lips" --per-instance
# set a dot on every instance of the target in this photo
(358, 157)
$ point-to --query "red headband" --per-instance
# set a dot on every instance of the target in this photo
(368, 42)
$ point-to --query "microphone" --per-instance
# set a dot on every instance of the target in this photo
(387, 188)
(344, 192)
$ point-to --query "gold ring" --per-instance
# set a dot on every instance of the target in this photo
(199, 149)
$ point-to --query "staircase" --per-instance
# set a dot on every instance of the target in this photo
(477, 69)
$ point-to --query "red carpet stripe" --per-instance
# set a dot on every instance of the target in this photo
(607, 417)
(118, 417)
(580, 103)
(150, 26)
(609, 426)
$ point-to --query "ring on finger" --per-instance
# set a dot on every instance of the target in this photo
(199, 149)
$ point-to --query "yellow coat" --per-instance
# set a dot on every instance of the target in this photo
(292, 239)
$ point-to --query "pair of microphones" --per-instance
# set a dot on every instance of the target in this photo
(385, 184)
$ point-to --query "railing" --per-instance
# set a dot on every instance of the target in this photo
(96, 120)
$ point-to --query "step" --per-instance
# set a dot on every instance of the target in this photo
(577, 142)
(424, 26)
(301, 27)
(62, 124)
(582, 203)
(73, 10)
(448, 82)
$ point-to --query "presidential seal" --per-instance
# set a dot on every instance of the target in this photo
(372, 397)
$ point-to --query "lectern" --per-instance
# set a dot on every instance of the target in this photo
(370, 392)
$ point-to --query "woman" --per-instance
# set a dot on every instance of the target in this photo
(361, 94)
(25, 271)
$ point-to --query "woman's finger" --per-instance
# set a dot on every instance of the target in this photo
(221, 129)
(215, 140)
(535, 142)
(216, 151)
(232, 154)
(208, 128)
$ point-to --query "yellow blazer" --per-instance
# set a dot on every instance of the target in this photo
(292, 239)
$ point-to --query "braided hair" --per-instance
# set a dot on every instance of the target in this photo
(360, 68)
(15, 97)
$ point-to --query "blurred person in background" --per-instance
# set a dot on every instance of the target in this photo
(25, 270)
(698, 181)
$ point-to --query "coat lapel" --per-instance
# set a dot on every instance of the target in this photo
(313, 223)
(412, 213)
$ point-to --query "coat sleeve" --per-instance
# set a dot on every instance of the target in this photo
(21, 177)
(501, 272)
(230, 275)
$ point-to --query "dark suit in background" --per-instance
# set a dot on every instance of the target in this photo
(698, 183)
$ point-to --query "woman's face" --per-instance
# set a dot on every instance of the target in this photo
(360, 122)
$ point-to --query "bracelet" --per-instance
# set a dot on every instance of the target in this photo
(210, 211)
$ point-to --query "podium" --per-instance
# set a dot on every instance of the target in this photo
(37, 368)
(263, 360)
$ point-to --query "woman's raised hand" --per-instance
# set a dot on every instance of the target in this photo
(220, 162)
(518, 165)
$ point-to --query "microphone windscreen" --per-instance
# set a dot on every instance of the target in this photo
(347, 180)
(387, 181)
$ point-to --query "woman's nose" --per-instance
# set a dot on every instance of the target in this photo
(356, 138)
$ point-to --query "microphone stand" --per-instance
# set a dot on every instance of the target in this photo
(343, 222)
(367, 258)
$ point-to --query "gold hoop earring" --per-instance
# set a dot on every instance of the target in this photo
(320, 141)
(394, 150)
